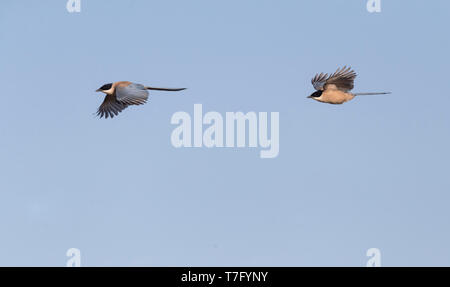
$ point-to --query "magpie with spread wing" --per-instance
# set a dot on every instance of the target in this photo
(335, 89)
(120, 95)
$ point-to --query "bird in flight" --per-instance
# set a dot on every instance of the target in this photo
(335, 89)
(120, 95)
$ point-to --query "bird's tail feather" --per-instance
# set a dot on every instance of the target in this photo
(164, 89)
(370, 94)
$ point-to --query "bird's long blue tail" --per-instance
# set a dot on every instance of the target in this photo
(370, 94)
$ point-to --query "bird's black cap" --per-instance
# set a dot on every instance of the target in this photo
(316, 94)
(105, 87)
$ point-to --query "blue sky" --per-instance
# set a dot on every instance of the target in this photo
(370, 173)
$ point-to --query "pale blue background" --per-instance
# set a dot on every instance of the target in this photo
(371, 173)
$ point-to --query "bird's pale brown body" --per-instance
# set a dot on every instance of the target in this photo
(334, 96)
(121, 84)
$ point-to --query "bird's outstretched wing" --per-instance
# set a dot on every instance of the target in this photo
(319, 81)
(132, 94)
(110, 107)
(342, 79)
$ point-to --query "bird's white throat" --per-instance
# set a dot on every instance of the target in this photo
(108, 92)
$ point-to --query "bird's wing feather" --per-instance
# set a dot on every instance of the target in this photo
(342, 79)
(132, 94)
(110, 107)
(319, 81)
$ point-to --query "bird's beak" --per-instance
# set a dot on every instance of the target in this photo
(98, 90)
(309, 97)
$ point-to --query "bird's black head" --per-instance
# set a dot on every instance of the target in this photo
(105, 87)
(316, 94)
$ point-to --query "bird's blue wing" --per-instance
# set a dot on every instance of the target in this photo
(319, 81)
(110, 107)
(133, 94)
